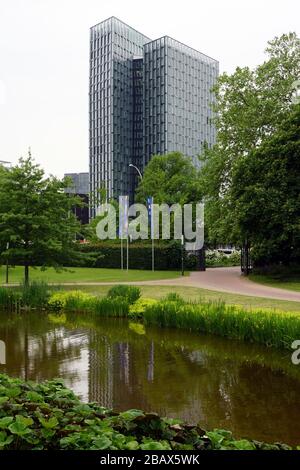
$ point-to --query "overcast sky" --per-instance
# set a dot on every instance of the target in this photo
(44, 47)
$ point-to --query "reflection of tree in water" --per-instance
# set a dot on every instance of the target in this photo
(36, 350)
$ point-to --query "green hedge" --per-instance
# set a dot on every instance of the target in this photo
(107, 255)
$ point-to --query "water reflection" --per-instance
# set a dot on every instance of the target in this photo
(252, 391)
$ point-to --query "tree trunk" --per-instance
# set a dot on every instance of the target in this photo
(26, 275)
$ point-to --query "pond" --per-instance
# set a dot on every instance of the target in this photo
(251, 390)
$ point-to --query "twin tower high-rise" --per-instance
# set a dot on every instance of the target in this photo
(146, 97)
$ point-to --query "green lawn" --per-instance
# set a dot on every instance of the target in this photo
(79, 275)
(195, 293)
(82, 275)
(289, 283)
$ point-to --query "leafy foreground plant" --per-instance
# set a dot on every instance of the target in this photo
(49, 416)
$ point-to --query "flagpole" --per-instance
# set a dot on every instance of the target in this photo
(121, 226)
(127, 250)
(122, 262)
(152, 254)
(151, 219)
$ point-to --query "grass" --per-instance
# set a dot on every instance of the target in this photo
(195, 293)
(81, 275)
(289, 283)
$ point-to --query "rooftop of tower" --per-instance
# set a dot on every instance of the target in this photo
(114, 18)
(180, 44)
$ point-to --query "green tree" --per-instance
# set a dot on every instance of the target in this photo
(265, 188)
(89, 231)
(250, 107)
(170, 178)
(36, 218)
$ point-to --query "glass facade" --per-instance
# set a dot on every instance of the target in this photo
(178, 115)
(113, 46)
(146, 97)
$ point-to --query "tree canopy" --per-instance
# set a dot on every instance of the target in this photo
(252, 107)
(170, 178)
(266, 190)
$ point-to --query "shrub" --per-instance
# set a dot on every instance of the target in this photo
(48, 416)
(137, 309)
(214, 258)
(80, 301)
(71, 301)
(130, 293)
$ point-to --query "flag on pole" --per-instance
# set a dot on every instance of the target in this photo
(150, 215)
(123, 216)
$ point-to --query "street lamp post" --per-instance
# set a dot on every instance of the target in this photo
(4, 162)
(137, 169)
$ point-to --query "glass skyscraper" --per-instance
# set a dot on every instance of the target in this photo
(146, 97)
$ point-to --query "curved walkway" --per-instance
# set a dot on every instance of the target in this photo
(227, 280)
(231, 281)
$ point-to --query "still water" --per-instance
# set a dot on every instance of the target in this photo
(251, 390)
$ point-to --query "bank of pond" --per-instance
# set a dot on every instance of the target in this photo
(271, 328)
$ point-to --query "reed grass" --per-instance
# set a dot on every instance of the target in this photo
(276, 329)
(7, 299)
(109, 307)
(35, 294)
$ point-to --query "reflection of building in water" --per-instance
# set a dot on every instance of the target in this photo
(150, 375)
(101, 370)
(117, 373)
(123, 350)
